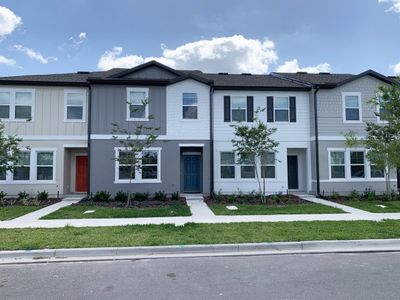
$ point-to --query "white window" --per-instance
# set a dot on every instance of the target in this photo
(44, 165)
(281, 107)
(3, 175)
(23, 168)
(352, 107)
(149, 170)
(16, 104)
(357, 164)
(75, 103)
(247, 167)
(227, 165)
(238, 109)
(268, 165)
(337, 164)
(138, 104)
(376, 172)
(382, 112)
(189, 106)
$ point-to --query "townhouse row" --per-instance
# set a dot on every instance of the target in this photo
(66, 123)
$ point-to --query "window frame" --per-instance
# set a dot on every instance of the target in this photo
(332, 165)
(227, 165)
(12, 104)
(128, 104)
(357, 94)
(281, 109)
(247, 165)
(36, 165)
(245, 108)
(268, 165)
(138, 174)
(75, 91)
(197, 107)
(357, 164)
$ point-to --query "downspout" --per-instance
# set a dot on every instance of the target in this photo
(316, 89)
(88, 137)
(211, 140)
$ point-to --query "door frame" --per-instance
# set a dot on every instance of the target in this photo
(73, 172)
(182, 175)
(298, 181)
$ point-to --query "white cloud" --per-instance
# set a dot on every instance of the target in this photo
(7, 61)
(394, 5)
(234, 54)
(34, 55)
(396, 68)
(8, 21)
(82, 37)
(292, 66)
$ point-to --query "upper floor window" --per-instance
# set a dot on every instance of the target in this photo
(351, 107)
(74, 106)
(281, 109)
(238, 109)
(137, 104)
(189, 105)
(16, 104)
(383, 113)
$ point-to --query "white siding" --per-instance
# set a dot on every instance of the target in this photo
(179, 128)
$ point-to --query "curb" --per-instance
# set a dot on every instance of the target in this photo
(123, 253)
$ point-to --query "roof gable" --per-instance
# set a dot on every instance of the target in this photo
(151, 70)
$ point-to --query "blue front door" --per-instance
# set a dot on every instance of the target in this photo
(191, 175)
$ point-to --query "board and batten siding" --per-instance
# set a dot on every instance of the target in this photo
(188, 129)
(48, 114)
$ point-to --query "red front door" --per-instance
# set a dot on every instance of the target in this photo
(81, 179)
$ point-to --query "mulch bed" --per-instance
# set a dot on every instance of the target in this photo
(30, 202)
(134, 204)
(271, 200)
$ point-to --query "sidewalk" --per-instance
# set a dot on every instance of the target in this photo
(200, 214)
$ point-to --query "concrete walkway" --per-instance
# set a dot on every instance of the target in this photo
(200, 214)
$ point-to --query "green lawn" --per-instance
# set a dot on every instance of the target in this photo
(151, 235)
(371, 206)
(12, 212)
(77, 212)
(262, 209)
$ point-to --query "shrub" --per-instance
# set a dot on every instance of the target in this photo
(141, 196)
(3, 197)
(219, 197)
(160, 196)
(121, 196)
(335, 195)
(23, 196)
(101, 196)
(232, 198)
(42, 196)
(278, 197)
(369, 194)
(354, 195)
(175, 196)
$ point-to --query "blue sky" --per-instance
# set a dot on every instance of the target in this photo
(341, 36)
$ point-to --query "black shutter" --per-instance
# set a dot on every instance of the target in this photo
(227, 108)
(292, 105)
(250, 108)
(270, 109)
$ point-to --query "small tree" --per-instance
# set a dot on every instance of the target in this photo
(133, 144)
(9, 150)
(251, 142)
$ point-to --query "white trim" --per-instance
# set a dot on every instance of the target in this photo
(122, 136)
(354, 180)
(334, 138)
(138, 175)
(245, 108)
(12, 92)
(75, 91)
(191, 145)
(75, 146)
(275, 109)
(196, 105)
(53, 137)
(146, 109)
(358, 94)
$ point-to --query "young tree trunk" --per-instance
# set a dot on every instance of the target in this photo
(387, 179)
(132, 170)
(259, 183)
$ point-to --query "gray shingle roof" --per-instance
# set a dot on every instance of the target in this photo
(317, 78)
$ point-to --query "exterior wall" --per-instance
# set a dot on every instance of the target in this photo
(188, 129)
(151, 72)
(48, 115)
(109, 105)
(330, 107)
(58, 184)
(289, 135)
(102, 166)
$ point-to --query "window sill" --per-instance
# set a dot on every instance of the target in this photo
(354, 122)
(137, 181)
(23, 182)
(16, 120)
(138, 120)
(74, 121)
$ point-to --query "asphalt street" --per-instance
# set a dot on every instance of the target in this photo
(324, 276)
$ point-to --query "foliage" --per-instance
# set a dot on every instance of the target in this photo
(102, 196)
(23, 196)
(141, 196)
(121, 196)
(160, 196)
(3, 196)
(175, 196)
(133, 144)
(42, 196)
(354, 195)
(9, 150)
(278, 198)
(219, 197)
(251, 142)
(334, 195)
(369, 194)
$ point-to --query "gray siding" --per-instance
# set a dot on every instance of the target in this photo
(102, 166)
(151, 72)
(109, 106)
(330, 107)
